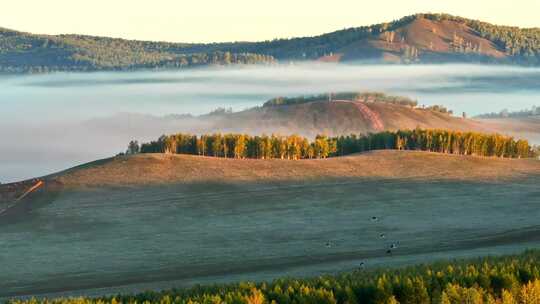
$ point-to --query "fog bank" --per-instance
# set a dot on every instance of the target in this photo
(51, 122)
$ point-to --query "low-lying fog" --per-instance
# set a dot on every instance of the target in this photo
(52, 122)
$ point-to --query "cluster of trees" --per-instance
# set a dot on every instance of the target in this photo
(441, 141)
(297, 147)
(460, 45)
(410, 54)
(243, 146)
(523, 44)
(534, 111)
(439, 108)
(492, 280)
(355, 96)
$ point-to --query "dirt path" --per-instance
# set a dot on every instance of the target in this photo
(32, 189)
(13, 194)
(372, 117)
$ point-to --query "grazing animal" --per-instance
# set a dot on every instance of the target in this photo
(388, 251)
(382, 235)
(374, 218)
(328, 245)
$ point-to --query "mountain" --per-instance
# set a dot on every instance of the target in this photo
(24, 52)
(420, 38)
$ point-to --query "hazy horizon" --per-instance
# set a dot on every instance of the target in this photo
(239, 20)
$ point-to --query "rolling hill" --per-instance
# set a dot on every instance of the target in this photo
(336, 118)
(421, 38)
(155, 221)
(372, 112)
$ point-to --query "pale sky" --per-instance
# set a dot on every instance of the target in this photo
(239, 20)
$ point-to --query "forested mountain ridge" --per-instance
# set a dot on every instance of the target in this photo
(28, 53)
(420, 38)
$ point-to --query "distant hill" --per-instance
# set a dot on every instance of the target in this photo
(533, 112)
(29, 53)
(524, 123)
(307, 116)
(312, 115)
(420, 38)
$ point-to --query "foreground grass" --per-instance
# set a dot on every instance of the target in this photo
(505, 280)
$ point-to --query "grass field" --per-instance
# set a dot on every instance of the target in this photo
(156, 221)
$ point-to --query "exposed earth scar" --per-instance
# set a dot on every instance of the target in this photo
(373, 118)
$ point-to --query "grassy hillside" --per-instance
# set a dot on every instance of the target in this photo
(166, 169)
(416, 38)
(508, 279)
(311, 117)
(339, 117)
(154, 221)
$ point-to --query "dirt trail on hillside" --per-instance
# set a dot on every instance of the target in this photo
(12, 193)
(18, 199)
(371, 116)
(38, 184)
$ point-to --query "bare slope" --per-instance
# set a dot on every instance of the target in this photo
(320, 117)
(337, 118)
(424, 40)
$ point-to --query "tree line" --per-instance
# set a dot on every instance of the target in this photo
(29, 53)
(491, 280)
(355, 96)
(534, 111)
(298, 147)
(522, 44)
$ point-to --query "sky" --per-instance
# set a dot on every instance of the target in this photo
(239, 20)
